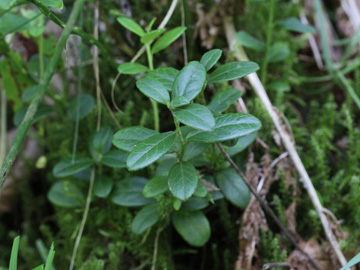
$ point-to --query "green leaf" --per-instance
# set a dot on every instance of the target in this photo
(242, 143)
(232, 71)
(150, 150)
(100, 142)
(131, 26)
(145, 218)
(53, 3)
(14, 254)
(86, 104)
(189, 83)
(182, 180)
(149, 37)
(193, 226)
(281, 86)
(153, 89)
(352, 262)
(294, 24)
(40, 267)
(164, 75)
(156, 186)
(278, 52)
(194, 149)
(50, 257)
(128, 192)
(224, 99)
(177, 205)
(11, 21)
(29, 93)
(42, 111)
(132, 68)
(210, 58)
(65, 194)
(115, 159)
(195, 203)
(248, 41)
(200, 190)
(233, 187)
(195, 116)
(151, 23)
(165, 164)
(5, 4)
(68, 167)
(103, 186)
(126, 139)
(228, 126)
(168, 38)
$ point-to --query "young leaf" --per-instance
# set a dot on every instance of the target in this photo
(167, 39)
(153, 89)
(115, 159)
(14, 254)
(86, 104)
(145, 218)
(132, 68)
(189, 83)
(293, 24)
(278, 52)
(126, 139)
(151, 23)
(103, 186)
(150, 150)
(200, 190)
(233, 187)
(100, 142)
(228, 126)
(232, 71)
(249, 41)
(182, 180)
(193, 226)
(195, 116)
(50, 257)
(210, 58)
(164, 75)
(156, 186)
(128, 192)
(65, 194)
(223, 100)
(149, 37)
(68, 166)
(131, 26)
(177, 204)
(242, 143)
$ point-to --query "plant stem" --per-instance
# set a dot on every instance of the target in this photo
(268, 41)
(29, 116)
(3, 135)
(41, 51)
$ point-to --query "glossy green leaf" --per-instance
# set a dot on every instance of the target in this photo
(195, 203)
(126, 139)
(150, 150)
(128, 192)
(189, 83)
(194, 149)
(233, 187)
(156, 186)
(221, 101)
(278, 52)
(242, 144)
(352, 262)
(200, 190)
(14, 253)
(168, 38)
(281, 86)
(69, 167)
(179, 101)
(149, 37)
(5, 4)
(232, 71)
(249, 41)
(228, 126)
(294, 24)
(132, 68)
(103, 186)
(86, 104)
(131, 25)
(210, 58)
(193, 226)
(153, 89)
(182, 180)
(100, 142)
(195, 116)
(145, 218)
(42, 111)
(164, 75)
(65, 194)
(165, 164)
(115, 159)
(11, 21)
(53, 3)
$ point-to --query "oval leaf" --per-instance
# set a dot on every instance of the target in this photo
(153, 89)
(65, 194)
(132, 68)
(182, 180)
(156, 186)
(68, 167)
(242, 143)
(193, 149)
(127, 138)
(232, 71)
(148, 37)
(131, 26)
(80, 106)
(224, 99)
(193, 226)
(228, 126)
(294, 24)
(278, 52)
(103, 186)
(164, 75)
(100, 142)
(233, 187)
(145, 218)
(167, 39)
(189, 83)
(195, 116)
(249, 41)
(195, 203)
(210, 58)
(115, 159)
(150, 150)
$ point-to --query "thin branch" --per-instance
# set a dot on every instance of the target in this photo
(3, 135)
